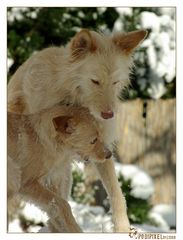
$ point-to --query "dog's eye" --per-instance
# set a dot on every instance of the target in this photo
(95, 81)
(94, 141)
(115, 82)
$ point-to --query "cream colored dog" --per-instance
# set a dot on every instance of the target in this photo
(39, 158)
(90, 72)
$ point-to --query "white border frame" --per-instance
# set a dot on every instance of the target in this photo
(3, 106)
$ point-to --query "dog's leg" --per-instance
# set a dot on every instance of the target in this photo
(58, 209)
(108, 176)
(14, 178)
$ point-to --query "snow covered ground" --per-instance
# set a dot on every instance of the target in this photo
(94, 218)
(142, 183)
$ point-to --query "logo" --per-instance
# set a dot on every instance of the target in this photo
(133, 232)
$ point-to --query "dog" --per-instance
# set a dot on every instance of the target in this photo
(41, 174)
(14, 177)
(90, 72)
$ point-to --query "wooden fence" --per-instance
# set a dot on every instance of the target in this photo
(148, 139)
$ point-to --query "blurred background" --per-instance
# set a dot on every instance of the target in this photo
(145, 156)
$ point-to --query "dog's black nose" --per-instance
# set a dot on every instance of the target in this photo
(108, 154)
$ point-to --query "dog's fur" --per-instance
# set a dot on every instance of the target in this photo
(45, 163)
(14, 177)
(90, 72)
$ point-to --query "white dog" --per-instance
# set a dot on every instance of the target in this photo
(90, 72)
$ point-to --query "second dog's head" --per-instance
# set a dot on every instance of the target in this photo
(100, 66)
(79, 132)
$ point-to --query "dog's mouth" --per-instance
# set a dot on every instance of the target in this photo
(107, 114)
(103, 115)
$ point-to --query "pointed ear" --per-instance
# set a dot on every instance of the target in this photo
(64, 124)
(82, 43)
(129, 41)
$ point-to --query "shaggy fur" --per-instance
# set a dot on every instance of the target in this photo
(38, 167)
(90, 72)
(14, 177)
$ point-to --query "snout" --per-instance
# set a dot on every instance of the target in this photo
(107, 114)
(108, 154)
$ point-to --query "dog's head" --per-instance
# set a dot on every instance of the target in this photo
(79, 133)
(101, 65)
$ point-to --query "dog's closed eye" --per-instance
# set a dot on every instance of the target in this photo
(94, 141)
(95, 81)
(114, 83)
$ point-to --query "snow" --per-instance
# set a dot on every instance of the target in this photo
(32, 212)
(101, 10)
(94, 219)
(138, 227)
(150, 20)
(124, 11)
(150, 228)
(119, 25)
(160, 44)
(157, 89)
(90, 218)
(167, 211)
(16, 13)
(160, 51)
(14, 226)
(159, 220)
(141, 182)
(97, 221)
(100, 222)
(78, 166)
(168, 11)
(81, 14)
(9, 63)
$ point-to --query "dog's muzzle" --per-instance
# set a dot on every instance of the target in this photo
(108, 153)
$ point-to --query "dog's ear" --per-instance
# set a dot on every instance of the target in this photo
(129, 41)
(82, 43)
(64, 124)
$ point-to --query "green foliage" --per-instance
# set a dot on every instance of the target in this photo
(135, 90)
(137, 208)
(131, 23)
(39, 28)
(33, 29)
(81, 193)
